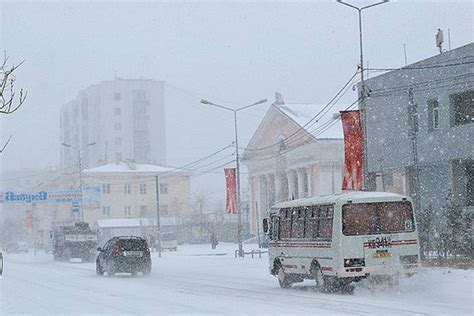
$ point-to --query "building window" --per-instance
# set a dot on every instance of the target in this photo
(117, 111)
(106, 210)
(143, 211)
(387, 178)
(127, 211)
(127, 189)
(118, 141)
(117, 96)
(433, 115)
(143, 188)
(118, 157)
(164, 210)
(462, 108)
(106, 188)
(163, 188)
(118, 126)
(281, 145)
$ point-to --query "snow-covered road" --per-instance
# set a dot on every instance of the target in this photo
(196, 280)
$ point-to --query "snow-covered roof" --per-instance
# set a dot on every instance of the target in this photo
(136, 222)
(129, 167)
(302, 113)
(354, 196)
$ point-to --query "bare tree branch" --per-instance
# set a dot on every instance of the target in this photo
(9, 102)
(5, 146)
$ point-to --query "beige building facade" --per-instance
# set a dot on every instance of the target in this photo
(129, 191)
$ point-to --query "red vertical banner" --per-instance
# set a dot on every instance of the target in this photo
(353, 150)
(231, 190)
(29, 221)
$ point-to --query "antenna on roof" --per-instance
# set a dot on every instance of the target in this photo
(449, 39)
(405, 53)
(279, 98)
(439, 40)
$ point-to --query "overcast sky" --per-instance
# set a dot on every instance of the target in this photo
(233, 53)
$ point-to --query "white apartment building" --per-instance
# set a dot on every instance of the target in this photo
(115, 120)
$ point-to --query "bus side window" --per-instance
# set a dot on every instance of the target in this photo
(325, 222)
(297, 223)
(285, 223)
(311, 228)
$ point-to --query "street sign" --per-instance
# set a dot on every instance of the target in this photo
(75, 207)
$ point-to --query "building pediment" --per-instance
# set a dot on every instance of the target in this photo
(287, 126)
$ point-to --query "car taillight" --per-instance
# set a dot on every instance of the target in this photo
(147, 250)
(117, 250)
(354, 262)
(409, 259)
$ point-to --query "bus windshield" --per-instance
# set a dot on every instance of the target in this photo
(377, 218)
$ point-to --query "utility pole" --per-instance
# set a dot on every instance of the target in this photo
(237, 166)
(362, 105)
(79, 162)
(239, 205)
(81, 184)
(33, 228)
(158, 227)
(258, 225)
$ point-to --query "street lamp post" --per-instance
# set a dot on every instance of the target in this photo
(237, 164)
(79, 161)
(362, 82)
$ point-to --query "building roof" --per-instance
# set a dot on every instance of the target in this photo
(123, 167)
(303, 113)
(436, 65)
(354, 196)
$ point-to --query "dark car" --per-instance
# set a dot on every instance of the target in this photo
(127, 254)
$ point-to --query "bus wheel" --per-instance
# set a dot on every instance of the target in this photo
(321, 280)
(283, 278)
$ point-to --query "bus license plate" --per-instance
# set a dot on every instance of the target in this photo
(133, 253)
(382, 254)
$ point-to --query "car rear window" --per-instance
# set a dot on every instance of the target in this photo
(132, 244)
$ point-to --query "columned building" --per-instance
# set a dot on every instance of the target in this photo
(289, 157)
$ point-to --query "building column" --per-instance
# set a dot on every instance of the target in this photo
(292, 184)
(315, 180)
(309, 175)
(333, 179)
(300, 181)
(280, 187)
(254, 198)
(270, 190)
(263, 196)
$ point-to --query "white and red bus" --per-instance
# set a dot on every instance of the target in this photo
(338, 239)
